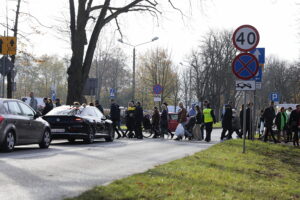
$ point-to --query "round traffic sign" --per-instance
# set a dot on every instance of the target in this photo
(157, 89)
(245, 66)
(245, 38)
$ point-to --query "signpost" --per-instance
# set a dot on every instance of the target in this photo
(245, 38)
(112, 92)
(8, 45)
(157, 90)
(246, 65)
(274, 96)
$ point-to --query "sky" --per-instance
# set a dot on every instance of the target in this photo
(277, 22)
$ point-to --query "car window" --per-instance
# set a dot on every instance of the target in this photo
(26, 110)
(14, 108)
(88, 111)
(174, 117)
(98, 113)
(5, 108)
(65, 110)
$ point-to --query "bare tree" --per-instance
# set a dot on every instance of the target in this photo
(101, 14)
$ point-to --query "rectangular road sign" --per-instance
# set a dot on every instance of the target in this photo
(241, 85)
(157, 97)
(259, 54)
(274, 96)
(8, 45)
(258, 76)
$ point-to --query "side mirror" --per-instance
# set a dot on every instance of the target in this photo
(37, 114)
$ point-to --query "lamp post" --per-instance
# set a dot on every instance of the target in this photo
(133, 61)
(190, 84)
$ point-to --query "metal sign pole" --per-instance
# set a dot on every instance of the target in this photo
(3, 70)
(244, 122)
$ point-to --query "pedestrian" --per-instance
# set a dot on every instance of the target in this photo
(169, 131)
(155, 122)
(199, 120)
(227, 122)
(164, 121)
(138, 114)
(115, 116)
(182, 118)
(261, 124)
(57, 102)
(236, 126)
(294, 123)
(288, 127)
(48, 106)
(98, 105)
(130, 120)
(247, 131)
(269, 115)
(33, 101)
(91, 104)
(192, 111)
(209, 120)
(281, 122)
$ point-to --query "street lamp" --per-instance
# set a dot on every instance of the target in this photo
(133, 61)
(190, 84)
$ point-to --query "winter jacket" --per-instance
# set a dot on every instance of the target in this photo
(182, 116)
(281, 121)
(269, 115)
(227, 118)
(115, 112)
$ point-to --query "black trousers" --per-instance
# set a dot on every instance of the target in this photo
(296, 136)
(269, 130)
(208, 129)
(138, 130)
(229, 135)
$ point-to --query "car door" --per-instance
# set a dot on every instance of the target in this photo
(35, 127)
(100, 123)
(21, 122)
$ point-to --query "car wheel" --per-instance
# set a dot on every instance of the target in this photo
(90, 136)
(111, 134)
(71, 140)
(46, 140)
(8, 144)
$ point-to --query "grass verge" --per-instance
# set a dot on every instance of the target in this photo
(266, 171)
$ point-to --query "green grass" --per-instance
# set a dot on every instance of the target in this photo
(266, 171)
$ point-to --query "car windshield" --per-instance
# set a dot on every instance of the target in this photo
(66, 110)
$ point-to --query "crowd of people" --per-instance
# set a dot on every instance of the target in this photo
(192, 123)
(281, 127)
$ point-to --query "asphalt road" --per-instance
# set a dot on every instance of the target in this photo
(66, 170)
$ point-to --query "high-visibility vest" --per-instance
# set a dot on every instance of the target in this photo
(207, 115)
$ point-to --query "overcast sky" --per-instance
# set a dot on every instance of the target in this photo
(276, 20)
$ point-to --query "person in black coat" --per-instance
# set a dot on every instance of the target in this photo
(248, 120)
(294, 123)
(227, 122)
(48, 106)
(130, 120)
(97, 105)
(269, 116)
(115, 116)
(164, 121)
(138, 120)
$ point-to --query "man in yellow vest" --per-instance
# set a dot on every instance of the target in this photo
(209, 119)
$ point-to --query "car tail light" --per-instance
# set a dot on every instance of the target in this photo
(78, 119)
(1, 119)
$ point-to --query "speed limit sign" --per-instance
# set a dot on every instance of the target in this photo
(245, 38)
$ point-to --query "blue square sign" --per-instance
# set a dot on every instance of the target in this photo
(274, 96)
(259, 54)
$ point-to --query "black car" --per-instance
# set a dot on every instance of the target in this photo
(20, 125)
(79, 122)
